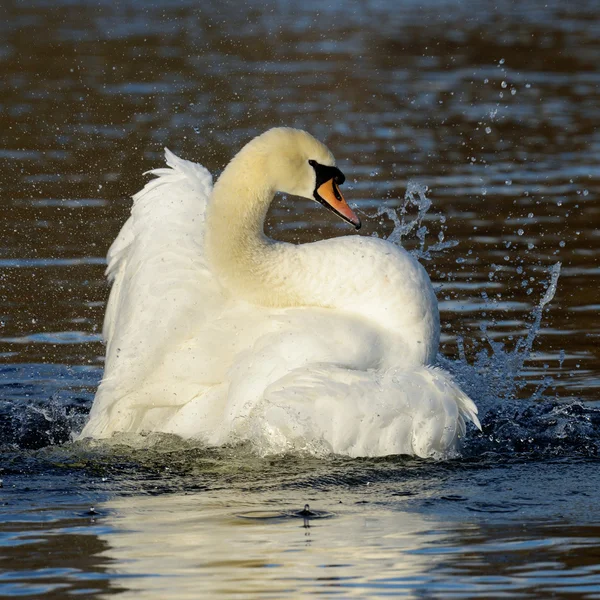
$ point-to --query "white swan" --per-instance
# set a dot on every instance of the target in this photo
(215, 331)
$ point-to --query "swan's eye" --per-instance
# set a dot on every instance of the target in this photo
(312, 163)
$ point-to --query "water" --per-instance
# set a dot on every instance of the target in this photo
(489, 112)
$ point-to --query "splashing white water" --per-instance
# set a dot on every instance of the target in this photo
(404, 225)
(496, 372)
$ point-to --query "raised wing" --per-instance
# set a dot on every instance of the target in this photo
(159, 276)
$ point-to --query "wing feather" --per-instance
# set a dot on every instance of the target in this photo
(158, 274)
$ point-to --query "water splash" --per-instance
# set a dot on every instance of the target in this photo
(41, 422)
(496, 373)
(404, 224)
(538, 425)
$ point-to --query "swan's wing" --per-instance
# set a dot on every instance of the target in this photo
(363, 413)
(314, 383)
(164, 231)
(160, 282)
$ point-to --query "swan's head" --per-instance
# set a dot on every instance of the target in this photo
(298, 164)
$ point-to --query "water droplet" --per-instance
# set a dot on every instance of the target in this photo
(488, 130)
(520, 232)
(501, 61)
(504, 84)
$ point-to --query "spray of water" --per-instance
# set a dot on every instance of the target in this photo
(496, 372)
(404, 224)
(538, 426)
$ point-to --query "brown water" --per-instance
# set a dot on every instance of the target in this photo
(495, 107)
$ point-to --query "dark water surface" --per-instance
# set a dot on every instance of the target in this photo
(494, 106)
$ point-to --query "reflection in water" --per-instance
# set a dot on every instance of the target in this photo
(208, 550)
(201, 546)
(172, 519)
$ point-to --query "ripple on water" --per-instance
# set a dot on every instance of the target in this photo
(306, 513)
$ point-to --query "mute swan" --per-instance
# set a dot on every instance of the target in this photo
(214, 331)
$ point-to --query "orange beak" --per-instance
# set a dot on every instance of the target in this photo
(329, 195)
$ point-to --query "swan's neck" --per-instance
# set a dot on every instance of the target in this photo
(244, 259)
(269, 273)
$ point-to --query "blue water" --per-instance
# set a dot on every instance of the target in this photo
(494, 108)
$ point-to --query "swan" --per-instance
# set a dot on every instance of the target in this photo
(216, 332)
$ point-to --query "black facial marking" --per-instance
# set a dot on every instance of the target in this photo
(325, 173)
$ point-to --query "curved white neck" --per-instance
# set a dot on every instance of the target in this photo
(387, 287)
(244, 259)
